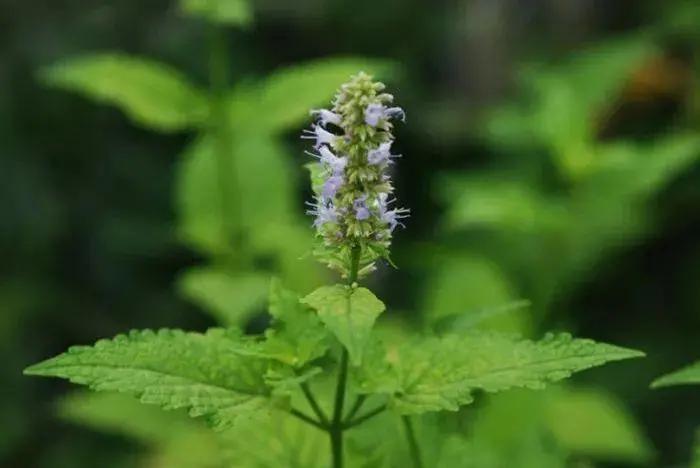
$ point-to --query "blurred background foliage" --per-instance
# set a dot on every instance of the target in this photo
(153, 177)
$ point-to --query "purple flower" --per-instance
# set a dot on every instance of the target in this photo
(326, 117)
(332, 185)
(382, 154)
(323, 211)
(390, 217)
(336, 163)
(375, 112)
(322, 137)
(361, 210)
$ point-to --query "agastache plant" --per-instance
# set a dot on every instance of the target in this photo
(230, 378)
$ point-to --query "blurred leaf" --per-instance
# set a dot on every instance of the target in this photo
(150, 93)
(233, 12)
(174, 440)
(126, 415)
(499, 204)
(171, 369)
(695, 457)
(593, 423)
(257, 180)
(633, 171)
(463, 285)
(349, 313)
(230, 298)
(458, 323)
(689, 375)
(509, 430)
(283, 100)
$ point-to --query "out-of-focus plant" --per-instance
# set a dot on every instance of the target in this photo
(536, 226)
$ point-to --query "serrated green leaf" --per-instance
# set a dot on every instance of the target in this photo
(297, 336)
(230, 298)
(149, 93)
(233, 12)
(689, 375)
(275, 441)
(283, 100)
(595, 424)
(202, 373)
(441, 373)
(349, 313)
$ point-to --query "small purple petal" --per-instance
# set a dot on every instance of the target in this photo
(375, 112)
(326, 117)
(332, 185)
(322, 137)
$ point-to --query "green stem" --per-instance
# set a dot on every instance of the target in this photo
(314, 404)
(355, 408)
(364, 417)
(336, 427)
(307, 419)
(412, 442)
(219, 80)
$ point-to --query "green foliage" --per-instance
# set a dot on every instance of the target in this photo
(438, 374)
(203, 373)
(689, 375)
(231, 298)
(292, 91)
(596, 424)
(172, 438)
(297, 335)
(349, 312)
(150, 93)
(233, 12)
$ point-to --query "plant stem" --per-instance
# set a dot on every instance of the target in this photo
(364, 417)
(412, 442)
(355, 408)
(307, 419)
(336, 427)
(219, 127)
(314, 404)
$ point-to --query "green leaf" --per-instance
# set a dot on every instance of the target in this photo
(173, 369)
(349, 313)
(149, 93)
(233, 12)
(499, 204)
(595, 424)
(230, 298)
(447, 303)
(316, 171)
(695, 457)
(283, 100)
(247, 190)
(297, 335)
(689, 375)
(441, 373)
(275, 441)
(173, 439)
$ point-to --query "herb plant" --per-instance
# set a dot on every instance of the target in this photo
(322, 369)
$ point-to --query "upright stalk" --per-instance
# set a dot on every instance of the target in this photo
(412, 442)
(219, 81)
(336, 427)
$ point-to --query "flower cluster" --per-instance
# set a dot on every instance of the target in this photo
(353, 208)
